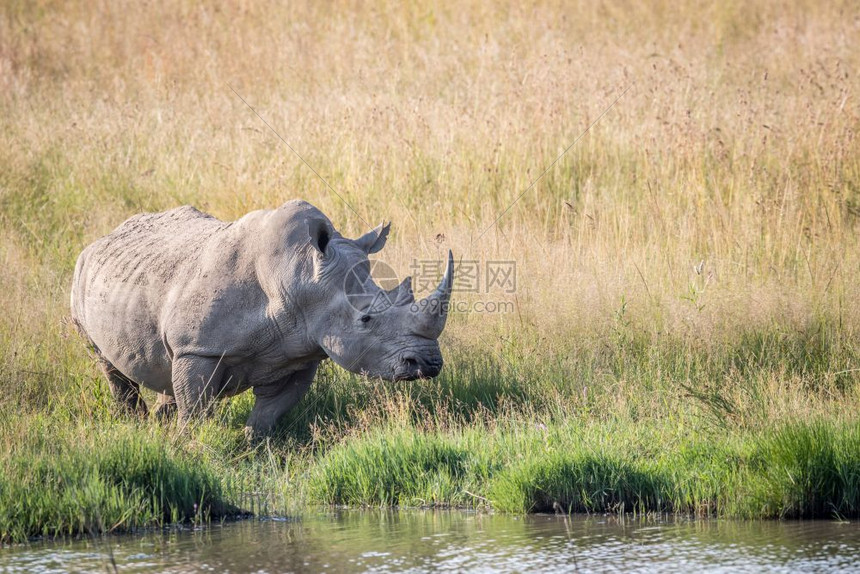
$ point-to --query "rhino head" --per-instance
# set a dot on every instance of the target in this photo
(366, 329)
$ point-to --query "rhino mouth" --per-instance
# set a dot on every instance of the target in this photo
(413, 368)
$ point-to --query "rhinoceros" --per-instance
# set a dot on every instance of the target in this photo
(196, 308)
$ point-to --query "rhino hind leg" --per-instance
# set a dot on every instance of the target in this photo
(165, 408)
(124, 390)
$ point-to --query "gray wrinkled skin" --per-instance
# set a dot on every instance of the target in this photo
(196, 308)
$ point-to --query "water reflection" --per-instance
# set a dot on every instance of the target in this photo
(456, 541)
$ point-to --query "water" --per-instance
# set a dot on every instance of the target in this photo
(456, 541)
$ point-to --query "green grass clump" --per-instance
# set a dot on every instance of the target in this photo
(578, 483)
(115, 479)
(391, 469)
(804, 470)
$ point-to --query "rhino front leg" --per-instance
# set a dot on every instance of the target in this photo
(196, 383)
(273, 401)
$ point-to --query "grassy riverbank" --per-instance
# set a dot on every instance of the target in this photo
(681, 334)
(467, 441)
(69, 479)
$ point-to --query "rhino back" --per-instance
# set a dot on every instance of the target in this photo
(129, 284)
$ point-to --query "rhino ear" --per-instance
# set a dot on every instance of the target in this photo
(374, 240)
(319, 234)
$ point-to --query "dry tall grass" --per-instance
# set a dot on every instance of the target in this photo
(713, 206)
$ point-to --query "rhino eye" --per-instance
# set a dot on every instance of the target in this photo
(365, 319)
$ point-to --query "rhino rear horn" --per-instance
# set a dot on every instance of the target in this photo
(402, 294)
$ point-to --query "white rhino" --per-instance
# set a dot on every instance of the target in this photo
(195, 308)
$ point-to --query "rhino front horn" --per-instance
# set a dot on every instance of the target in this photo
(433, 309)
